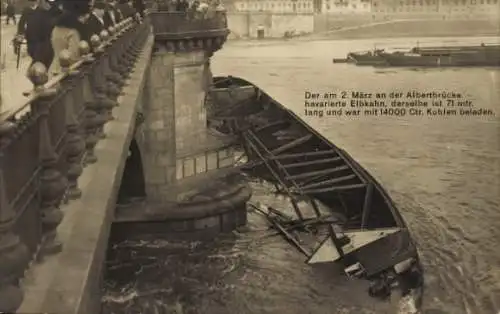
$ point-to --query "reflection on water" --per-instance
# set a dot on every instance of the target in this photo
(443, 173)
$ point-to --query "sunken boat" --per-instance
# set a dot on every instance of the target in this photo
(362, 230)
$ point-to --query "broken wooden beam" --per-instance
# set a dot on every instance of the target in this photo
(319, 172)
(312, 162)
(367, 205)
(290, 238)
(307, 154)
(278, 213)
(292, 144)
(328, 182)
(315, 207)
(273, 172)
(335, 188)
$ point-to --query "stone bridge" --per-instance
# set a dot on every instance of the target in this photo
(125, 124)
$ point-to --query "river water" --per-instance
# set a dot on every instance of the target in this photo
(442, 172)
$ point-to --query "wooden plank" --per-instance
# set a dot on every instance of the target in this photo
(328, 182)
(319, 172)
(335, 188)
(315, 208)
(290, 238)
(269, 154)
(326, 252)
(307, 154)
(275, 123)
(367, 205)
(361, 238)
(291, 144)
(275, 175)
(311, 162)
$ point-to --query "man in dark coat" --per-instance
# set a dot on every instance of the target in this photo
(125, 6)
(139, 7)
(95, 24)
(36, 25)
(112, 16)
(25, 16)
(10, 11)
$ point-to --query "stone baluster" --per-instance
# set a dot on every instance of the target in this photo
(52, 183)
(122, 61)
(104, 86)
(14, 255)
(92, 121)
(131, 50)
(102, 103)
(116, 61)
(75, 144)
(126, 59)
(113, 77)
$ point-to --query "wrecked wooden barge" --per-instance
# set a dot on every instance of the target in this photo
(367, 236)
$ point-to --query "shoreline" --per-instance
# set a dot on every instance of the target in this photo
(397, 29)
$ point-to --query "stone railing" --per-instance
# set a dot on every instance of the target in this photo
(179, 31)
(180, 25)
(45, 144)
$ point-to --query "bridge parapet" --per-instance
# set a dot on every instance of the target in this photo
(181, 31)
(46, 143)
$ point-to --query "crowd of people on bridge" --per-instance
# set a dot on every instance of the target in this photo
(50, 26)
(193, 9)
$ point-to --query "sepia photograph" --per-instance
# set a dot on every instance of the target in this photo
(250, 157)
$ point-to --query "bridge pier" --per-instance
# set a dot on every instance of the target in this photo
(175, 117)
(188, 171)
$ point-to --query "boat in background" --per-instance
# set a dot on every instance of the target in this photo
(472, 56)
(445, 50)
(432, 56)
(357, 225)
(370, 57)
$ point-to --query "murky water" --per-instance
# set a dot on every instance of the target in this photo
(443, 173)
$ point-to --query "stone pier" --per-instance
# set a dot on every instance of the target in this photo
(187, 169)
(175, 124)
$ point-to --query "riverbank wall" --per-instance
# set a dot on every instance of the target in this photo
(245, 25)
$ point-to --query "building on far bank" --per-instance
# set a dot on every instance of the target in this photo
(275, 6)
(405, 6)
(435, 6)
(346, 6)
(470, 6)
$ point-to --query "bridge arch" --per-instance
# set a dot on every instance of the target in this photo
(133, 183)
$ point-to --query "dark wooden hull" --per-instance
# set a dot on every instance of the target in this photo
(462, 59)
(314, 166)
(363, 58)
(447, 50)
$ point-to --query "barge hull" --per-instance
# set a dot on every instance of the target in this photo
(284, 150)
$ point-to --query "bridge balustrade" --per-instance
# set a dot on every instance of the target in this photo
(46, 143)
(182, 25)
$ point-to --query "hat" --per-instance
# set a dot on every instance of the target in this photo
(78, 7)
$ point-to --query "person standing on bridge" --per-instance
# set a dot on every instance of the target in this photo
(69, 30)
(113, 15)
(96, 22)
(10, 11)
(125, 6)
(36, 25)
(139, 7)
